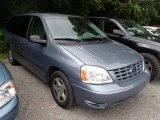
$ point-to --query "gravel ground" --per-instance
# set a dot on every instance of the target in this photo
(36, 102)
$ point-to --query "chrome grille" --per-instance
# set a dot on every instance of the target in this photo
(129, 72)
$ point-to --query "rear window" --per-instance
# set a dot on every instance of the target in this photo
(19, 25)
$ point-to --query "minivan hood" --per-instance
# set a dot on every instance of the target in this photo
(2, 76)
(110, 55)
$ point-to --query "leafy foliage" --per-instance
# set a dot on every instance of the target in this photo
(2, 42)
(142, 11)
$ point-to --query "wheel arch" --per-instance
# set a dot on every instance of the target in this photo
(51, 70)
(153, 52)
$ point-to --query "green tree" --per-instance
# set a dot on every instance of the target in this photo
(141, 11)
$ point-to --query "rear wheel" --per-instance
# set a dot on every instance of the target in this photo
(152, 63)
(61, 90)
(11, 58)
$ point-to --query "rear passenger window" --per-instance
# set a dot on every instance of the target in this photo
(19, 25)
(110, 26)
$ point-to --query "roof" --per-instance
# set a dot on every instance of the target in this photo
(113, 19)
(47, 14)
(93, 17)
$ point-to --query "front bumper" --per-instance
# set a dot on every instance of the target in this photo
(10, 110)
(102, 96)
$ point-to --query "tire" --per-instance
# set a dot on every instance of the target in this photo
(11, 58)
(152, 63)
(61, 90)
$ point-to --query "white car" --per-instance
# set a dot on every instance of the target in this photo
(153, 30)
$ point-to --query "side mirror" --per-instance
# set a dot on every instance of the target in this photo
(118, 32)
(37, 39)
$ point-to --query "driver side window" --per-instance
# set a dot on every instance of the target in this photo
(109, 27)
(37, 28)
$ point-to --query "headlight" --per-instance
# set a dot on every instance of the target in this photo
(7, 92)
(95, 75)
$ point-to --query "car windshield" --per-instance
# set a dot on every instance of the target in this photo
(134, 29)
(74, 29)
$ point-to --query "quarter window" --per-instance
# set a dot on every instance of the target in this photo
(19, 25)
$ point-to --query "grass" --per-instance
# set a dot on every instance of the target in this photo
(3, 56)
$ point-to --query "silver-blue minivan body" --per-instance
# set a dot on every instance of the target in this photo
(84, 61)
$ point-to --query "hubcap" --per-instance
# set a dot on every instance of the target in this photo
(148, 65)
(59, 90)
(10, 56)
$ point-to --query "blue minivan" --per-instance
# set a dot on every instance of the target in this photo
(78, 61)
(8, 98)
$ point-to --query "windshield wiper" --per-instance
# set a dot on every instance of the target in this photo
(94, 39)
(69, 39)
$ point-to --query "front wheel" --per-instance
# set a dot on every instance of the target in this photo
(61, 90)
(152, 64)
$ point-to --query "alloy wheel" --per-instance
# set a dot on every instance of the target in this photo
(59, 90)
(10, 56)
(148, 65)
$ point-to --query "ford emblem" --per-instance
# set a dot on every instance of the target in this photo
(132, 70)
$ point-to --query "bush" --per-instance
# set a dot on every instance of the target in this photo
(2, 42)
